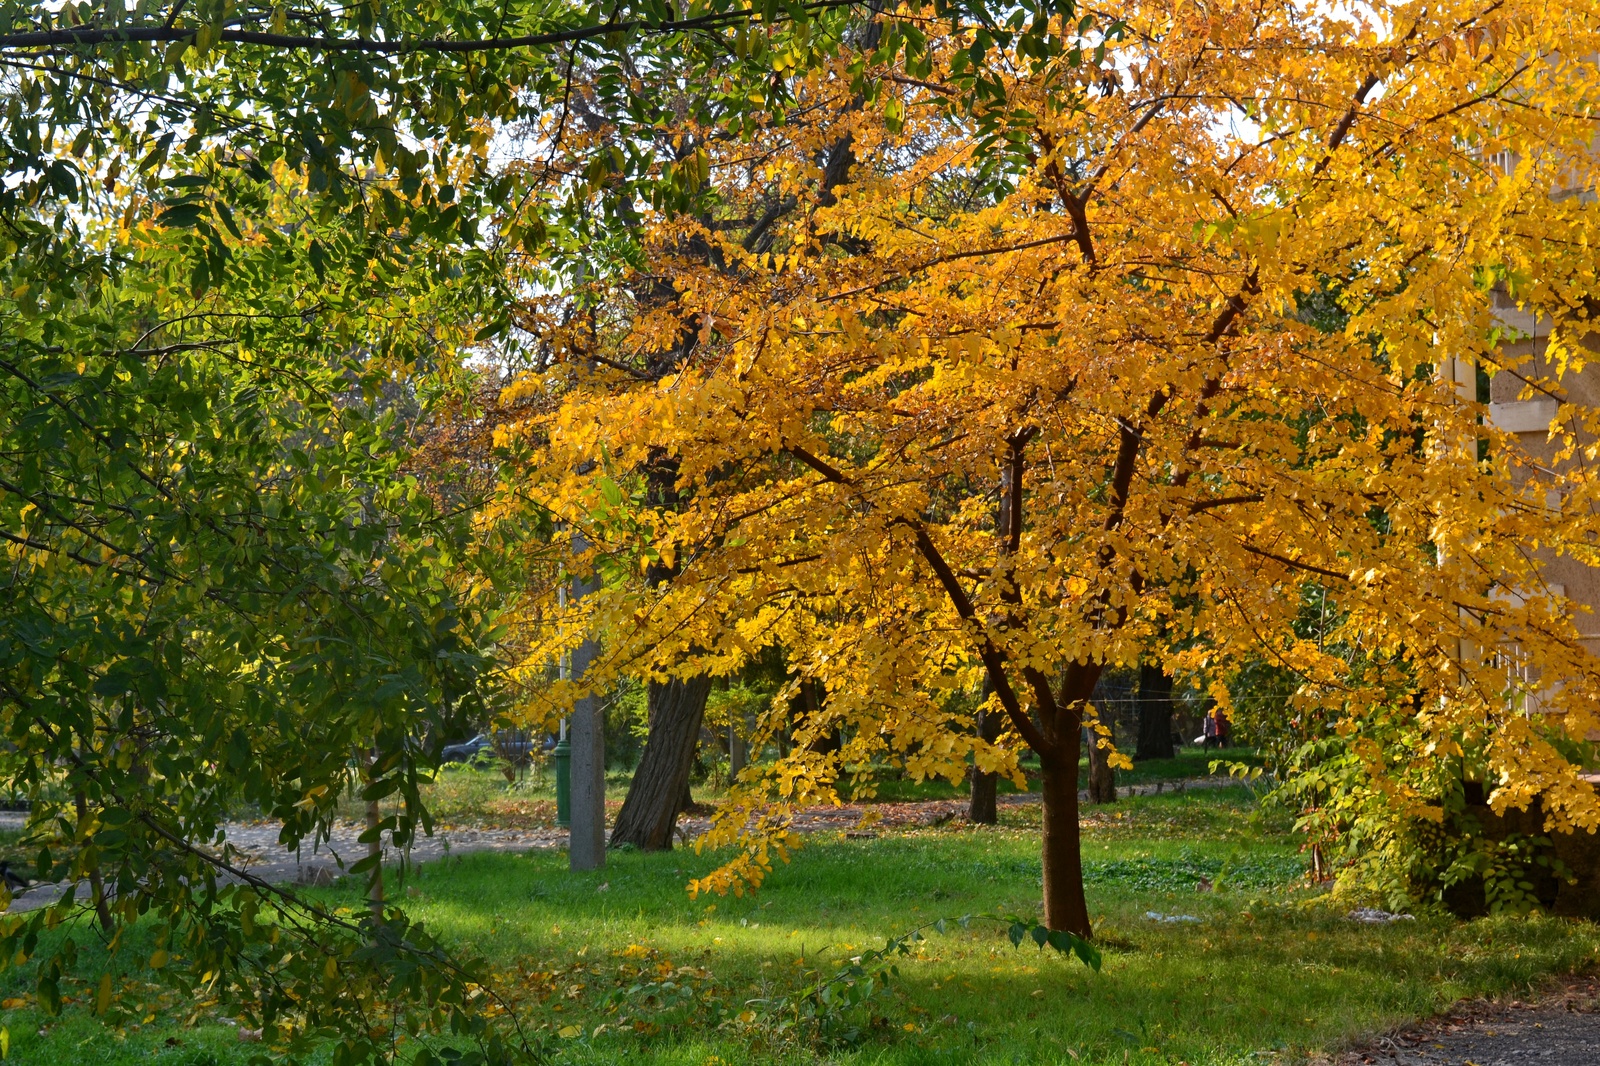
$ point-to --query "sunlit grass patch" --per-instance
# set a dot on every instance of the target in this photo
(621, 964)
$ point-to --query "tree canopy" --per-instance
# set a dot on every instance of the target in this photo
(244, 248)
(1039, 388)
(928, 344)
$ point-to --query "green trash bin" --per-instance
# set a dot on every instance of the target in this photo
(563, 760)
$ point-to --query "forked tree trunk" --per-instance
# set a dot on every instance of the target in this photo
(983, 807)
(657, 794)
(659, 791)
(1054, 727)
(1065, 906)
(1155, 714)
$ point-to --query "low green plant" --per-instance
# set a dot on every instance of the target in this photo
(620, 965)
(827, 1011)
(1402, 831)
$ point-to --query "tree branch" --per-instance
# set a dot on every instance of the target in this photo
(1286, 561)
(993, 660)
(88, 36)
(1223, 501)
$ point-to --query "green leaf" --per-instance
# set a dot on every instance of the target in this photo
(318, 258)
(226, 215)
(49, 994)
(180, 216)
(1064, 942)
(492, 329)
(380, 789)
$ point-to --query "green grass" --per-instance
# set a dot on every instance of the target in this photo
(481, 794)
(1265, 970)
(1189, 762)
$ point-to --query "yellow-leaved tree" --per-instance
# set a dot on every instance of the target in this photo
(1031, 384)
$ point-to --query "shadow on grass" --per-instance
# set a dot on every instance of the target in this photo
(1262, 967)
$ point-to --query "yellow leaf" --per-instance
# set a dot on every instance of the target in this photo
(844, 478)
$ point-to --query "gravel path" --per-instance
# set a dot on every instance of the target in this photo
(267, 859)
(1560, 1030)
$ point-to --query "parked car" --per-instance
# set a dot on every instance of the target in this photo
(513, 745)
(467, 750)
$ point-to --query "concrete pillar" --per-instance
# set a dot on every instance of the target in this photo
(586, 841)
(738, 753)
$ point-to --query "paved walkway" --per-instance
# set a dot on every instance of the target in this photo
(1560, 1030)
(267, 859)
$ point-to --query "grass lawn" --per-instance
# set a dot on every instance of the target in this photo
(481, 795)
(1266, 973)
(1189, 762)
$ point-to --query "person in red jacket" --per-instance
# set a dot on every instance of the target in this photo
(1215, 729)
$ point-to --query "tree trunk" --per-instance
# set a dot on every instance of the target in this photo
(375, 852)
(656, 796)
(1064, 904)
(982, 807)
(812, 696)
(828, 743)
(97, 888)
(659, 791)
(1155, 714)
(1102, 779)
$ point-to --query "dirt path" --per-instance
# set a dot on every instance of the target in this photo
(1562, 1029)
(267, 859)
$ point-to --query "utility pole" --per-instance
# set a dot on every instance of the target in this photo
(375, 853)
(586, 840)
(738, 750)
(562, 756)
